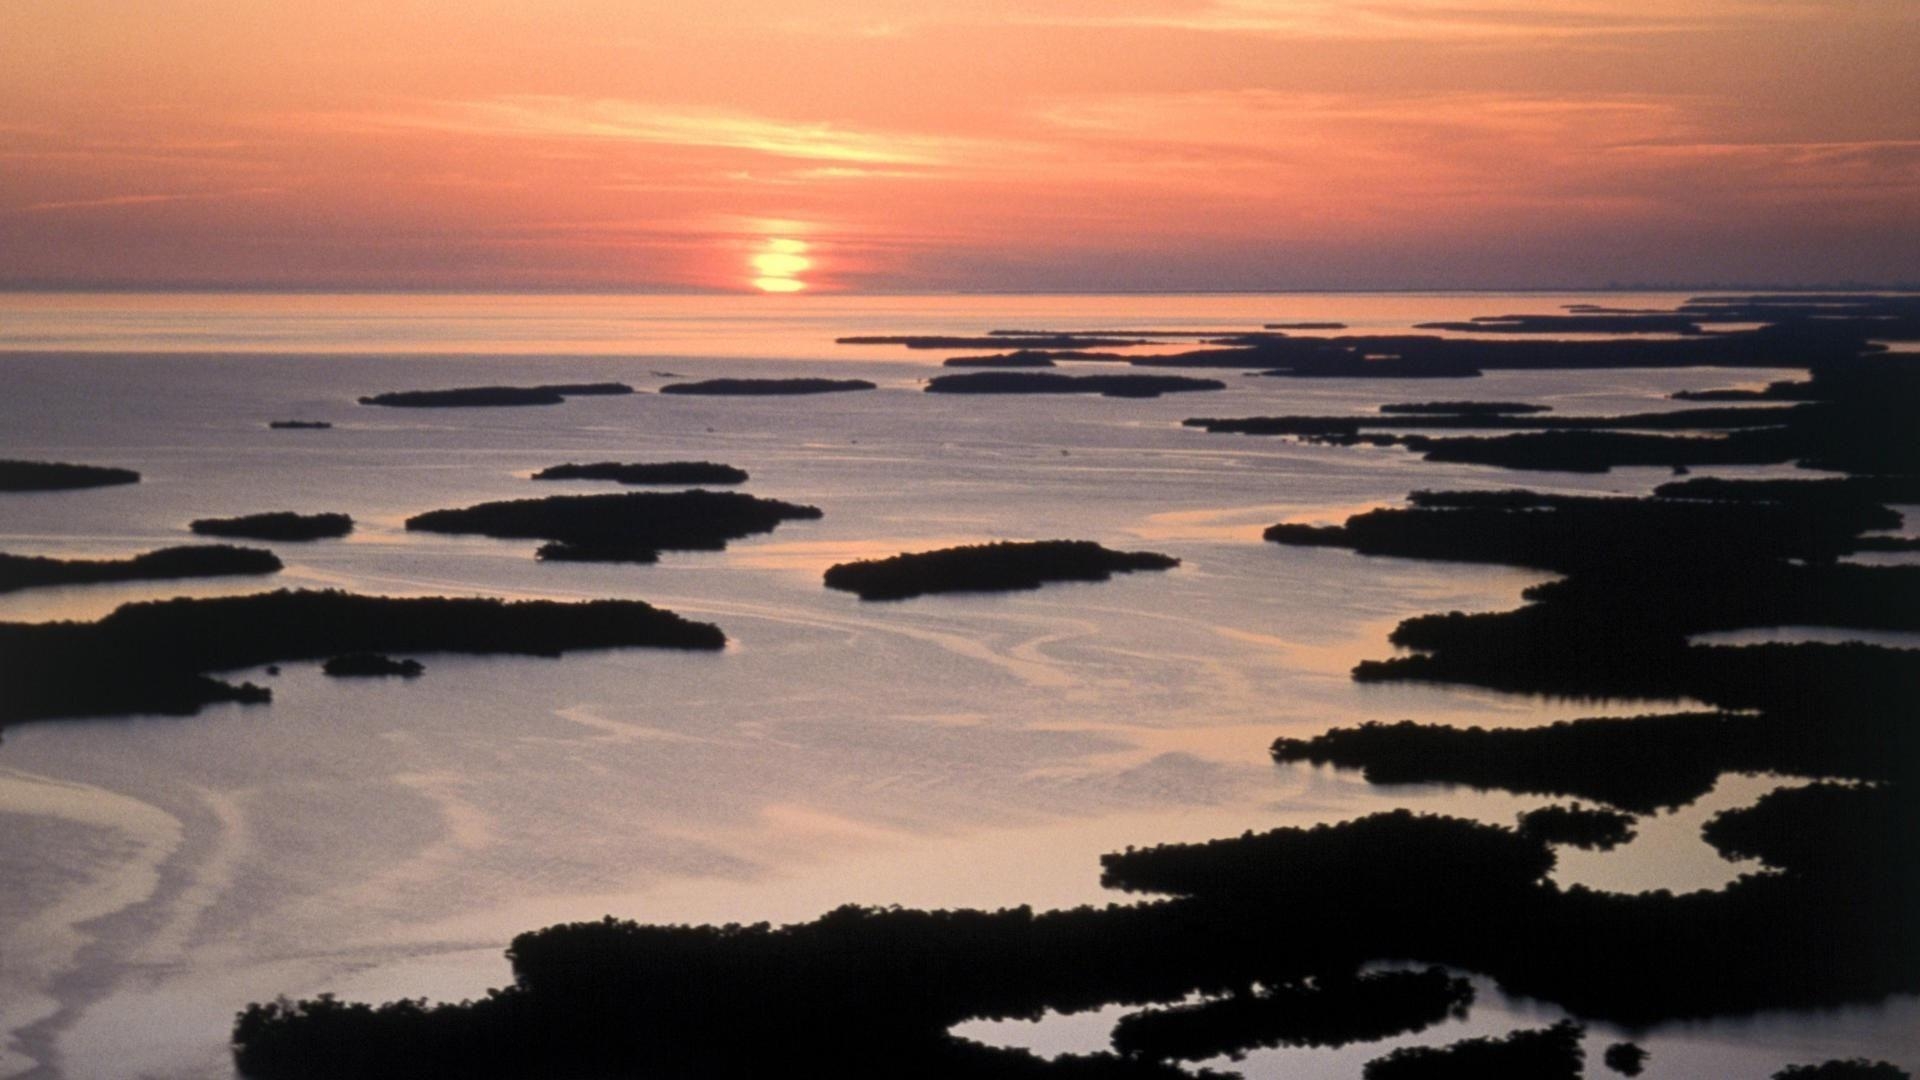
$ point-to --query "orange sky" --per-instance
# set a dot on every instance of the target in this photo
(988, 144)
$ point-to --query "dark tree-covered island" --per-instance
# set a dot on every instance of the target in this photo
(767, 387)
(629, 527)
(658, 472)
(277, 525)
(998, 567)
(60, 476)
(164, 564)
(494, 396)
(155, 657)
(1024, 382)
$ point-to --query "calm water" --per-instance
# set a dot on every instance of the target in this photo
(387, 839)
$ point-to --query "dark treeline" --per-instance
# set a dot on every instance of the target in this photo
(658, 472)
(1537, 1054)
(1641, 764)
(995, 567)
(1019, 382)
(59, 476)
(154, 657)
(299, 425)
(1019, 358)
(1578, 323)
(873, 992)
(1851, 416)
(628, 527)
(1850, 1069)
(1465, 408)
(1332, 1010)
(187, 561)
(278, 525)
(371, 665)
(767, 387)
(1305, 326)
(1037, 340)
(493, 396)
(1581, 826)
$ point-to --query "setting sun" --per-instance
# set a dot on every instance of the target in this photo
(778, 265)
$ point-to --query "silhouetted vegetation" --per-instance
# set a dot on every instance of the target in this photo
(1305, 326)
(1581, 323)
(997, 567)
(1010, 382)
(1578, 825)
(494, 396)
(189, 561)
(1330, 1010)
(1538, 1054)
(628, 527)
(864, 991)
(1625, 1058)
(995, 340)
(153, 657)
(1466, 408)
(662, 472)
(1850, 1069)
(767, 387)
(279, 525)
(367, 664)
(299, 425)
(59, 476)
(1019, 358)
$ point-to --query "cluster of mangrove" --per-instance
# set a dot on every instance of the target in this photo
(1023, 382)
(1552, 1053)
(164, 564)
(299, 425)
(1038, 339)
(1002, 566)
(864, 991)
(1580, 826)
(18, 475)
(371, 665)
(487, 396)
(767, 387)
(658, 472)
(1625, 1058)
(154, 657)
(628, 527)
(277, 525)
(1846, 417)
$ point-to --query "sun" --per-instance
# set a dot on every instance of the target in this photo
(778, 263)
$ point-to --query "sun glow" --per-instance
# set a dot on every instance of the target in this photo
(778, 265)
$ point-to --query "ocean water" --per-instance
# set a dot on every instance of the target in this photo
(387, 838)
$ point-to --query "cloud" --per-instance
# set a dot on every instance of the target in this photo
(618, 120)
(111, 201)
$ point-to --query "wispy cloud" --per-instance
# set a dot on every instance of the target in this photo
(618, 120)
(112, 201)
(1455, 20)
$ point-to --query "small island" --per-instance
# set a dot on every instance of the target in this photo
(493, 396)
(767, 387)
(1464, 408)
(1580, 826)
(165, 564)
(1023, 382)
(299, 425)
(59, 476)
(660, 472)
(278, 525)
(371, 665)
(996, 567)
(627, 527)
(157, 656)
